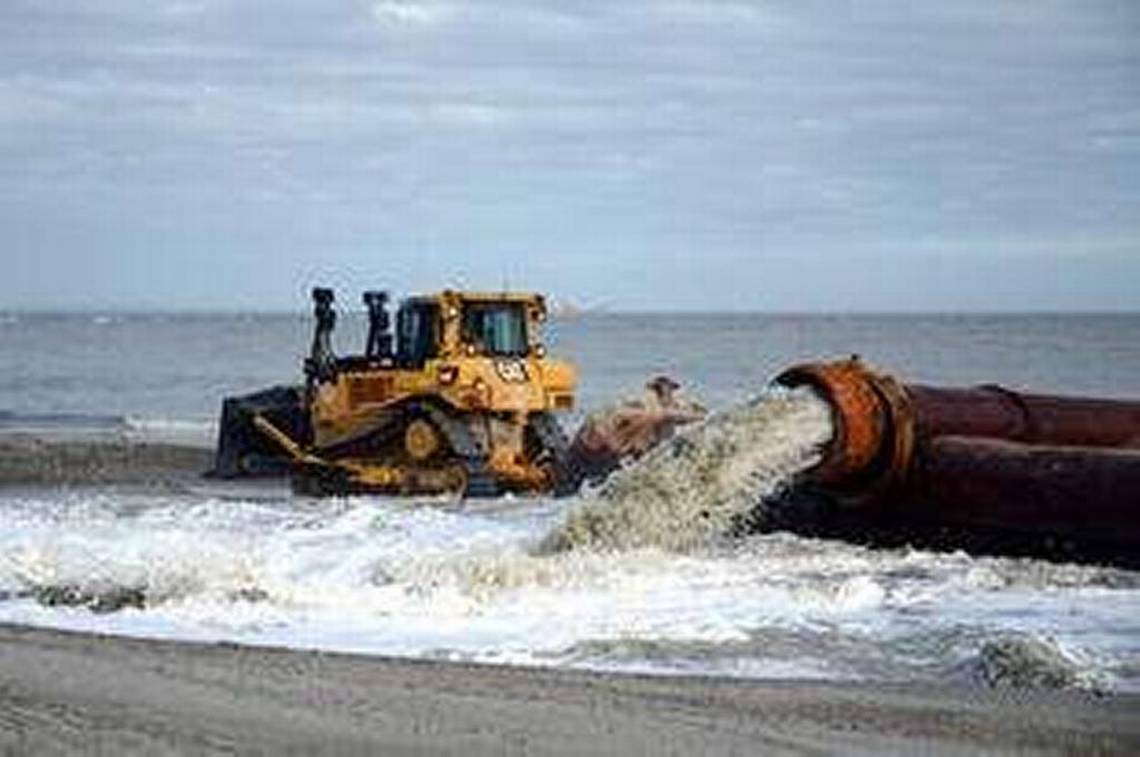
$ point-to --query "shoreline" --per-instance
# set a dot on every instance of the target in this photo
(79, 458)
(65, 691)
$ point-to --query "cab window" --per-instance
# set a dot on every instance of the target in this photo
(496, 328)
(417, 327)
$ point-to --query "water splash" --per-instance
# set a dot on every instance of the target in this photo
(1024, 661)
(378, 575)
(692, 488)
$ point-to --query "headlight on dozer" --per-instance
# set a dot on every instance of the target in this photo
(561, 401)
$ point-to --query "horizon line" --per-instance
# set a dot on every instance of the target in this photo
(578, 313)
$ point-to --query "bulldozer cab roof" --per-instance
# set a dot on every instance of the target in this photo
(447, 297)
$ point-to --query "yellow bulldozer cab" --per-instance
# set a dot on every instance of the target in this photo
(479, 353)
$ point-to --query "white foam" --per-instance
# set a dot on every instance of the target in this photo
(175, 430)
(382, 576)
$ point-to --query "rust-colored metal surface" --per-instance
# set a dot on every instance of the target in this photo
(985, 457)
(873, 443)
(859, 415)
(630, 430)
(998, 413)
(993, 483)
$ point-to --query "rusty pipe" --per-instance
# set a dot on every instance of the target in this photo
(998, 413)
(987, 456)
(1092, 492)
(872, 446)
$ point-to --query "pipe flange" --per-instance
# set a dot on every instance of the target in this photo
(872, 447)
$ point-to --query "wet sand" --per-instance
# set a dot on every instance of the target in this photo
(67, 458)
(65, 693)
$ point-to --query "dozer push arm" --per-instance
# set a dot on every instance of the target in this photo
(299, 455)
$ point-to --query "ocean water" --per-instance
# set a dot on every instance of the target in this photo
(623, 577)
(157, 369)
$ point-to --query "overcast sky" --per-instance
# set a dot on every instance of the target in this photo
(634, 155)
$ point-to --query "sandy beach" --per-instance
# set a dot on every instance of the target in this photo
(70, 693)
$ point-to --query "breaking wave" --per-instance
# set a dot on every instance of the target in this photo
(1021, 661)
(384, 576)
(692, 488)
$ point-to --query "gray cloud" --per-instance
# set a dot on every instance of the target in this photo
(778, 155)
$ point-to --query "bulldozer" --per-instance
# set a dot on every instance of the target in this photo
(460, 399)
